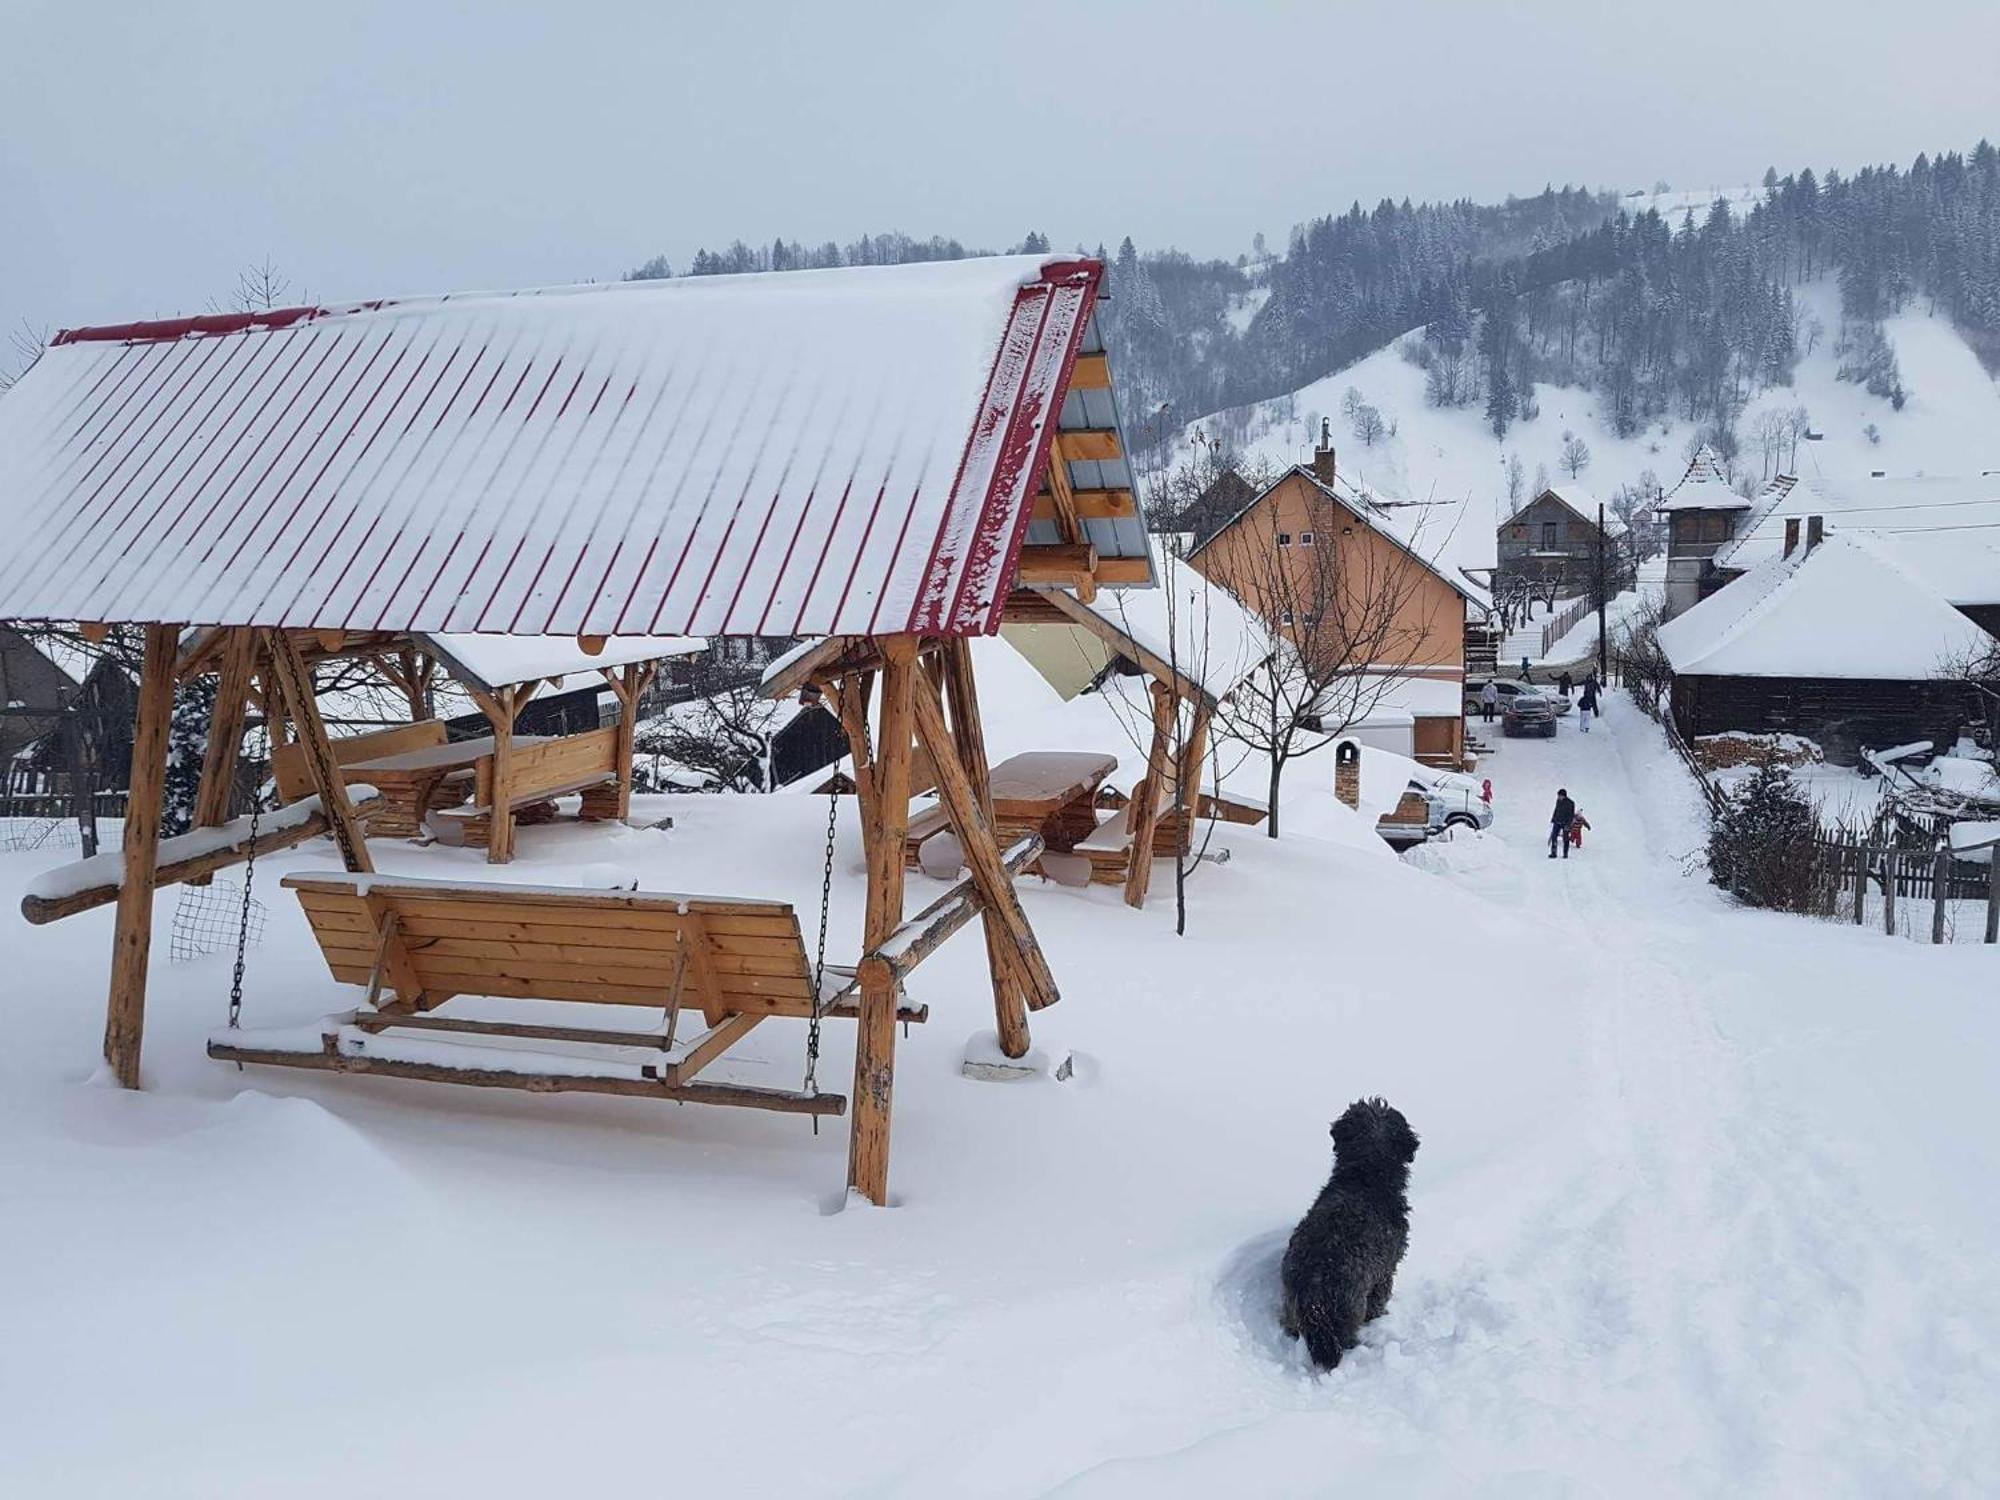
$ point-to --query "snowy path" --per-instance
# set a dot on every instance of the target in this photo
(1705, 1205)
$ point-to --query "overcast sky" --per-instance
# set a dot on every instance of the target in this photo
(150, 150)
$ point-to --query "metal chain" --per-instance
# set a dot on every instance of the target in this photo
(819, 959)
(243, 919)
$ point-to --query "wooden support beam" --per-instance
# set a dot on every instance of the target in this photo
(1010, 1011)
(132, 939)
(1091, 444)
(1091, 505)
(225, 729)
(982, 855)
(1091, 372)
(494, 788)
(875, 1041)
(817, 661)
(296, 687)
(627, 684)
(44, 909)
(1145, 810)
(1064, 564)
(711, 1044)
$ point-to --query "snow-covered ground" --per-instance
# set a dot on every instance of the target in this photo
(1948, 426)
(1704, 1203)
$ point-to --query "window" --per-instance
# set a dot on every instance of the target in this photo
(1284, 539)
(1285, 617)
(1549, 543)
(1312, 617)
(1305, 538)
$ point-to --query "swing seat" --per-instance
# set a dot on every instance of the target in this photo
(419, 943)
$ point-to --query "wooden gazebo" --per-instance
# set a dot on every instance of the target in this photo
(852, 454)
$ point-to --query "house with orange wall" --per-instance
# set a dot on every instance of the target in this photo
(1309, 533)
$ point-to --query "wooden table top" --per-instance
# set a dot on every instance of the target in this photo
(1037, 783)
(451, 756)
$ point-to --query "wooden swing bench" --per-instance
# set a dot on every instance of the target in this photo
(418, 943)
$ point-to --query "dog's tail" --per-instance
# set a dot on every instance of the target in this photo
(1318, 1314)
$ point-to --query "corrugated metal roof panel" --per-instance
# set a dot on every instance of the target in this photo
(848, 451)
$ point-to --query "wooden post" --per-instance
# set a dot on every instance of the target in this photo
(982, 853)
(627, 683)
(1145, 814)
(225, 729)
(1860, 883)
(1010, 1010)
(1940, 884)
(1890, 861)
(132, 939)
(875, 1038)
(497, 788)
(1993, 895)
(294, 679)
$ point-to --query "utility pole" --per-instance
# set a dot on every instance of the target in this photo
(1603, 675)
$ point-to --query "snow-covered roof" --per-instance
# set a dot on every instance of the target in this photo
(1844, 609)
(1945, 530)
(490, 661)
(1582, 504)
(1418, 697)
(1197, 627)
(842, 451)
(1703, 487)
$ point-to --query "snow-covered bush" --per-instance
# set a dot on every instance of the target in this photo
(1760, 848)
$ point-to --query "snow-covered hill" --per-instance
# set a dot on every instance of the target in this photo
(1950, 424)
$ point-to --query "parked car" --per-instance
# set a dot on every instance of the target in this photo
(1509, 689)
(1528, 713)
(1451, 801)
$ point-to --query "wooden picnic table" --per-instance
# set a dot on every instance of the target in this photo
(409, 780)
(1047, 792)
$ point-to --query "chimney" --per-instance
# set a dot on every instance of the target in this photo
(1347, 773)
(1815, 532)
(1791, 535)
(1323, 454)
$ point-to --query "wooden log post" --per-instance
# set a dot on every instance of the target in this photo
(496, 788)
(1145, 814)
(225, 729)
(888, 789)
(295, 687)
(1993, 895)
(627, 685)
(1010, 1009)
(1940, 887)
(982, 853)
(132, 938)
(1891, 861)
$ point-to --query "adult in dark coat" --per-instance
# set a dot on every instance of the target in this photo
(1559, 822)
(1565, 683)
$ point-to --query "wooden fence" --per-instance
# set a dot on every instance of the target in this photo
(1657, 710)
(1560, 625)
(1916, 890)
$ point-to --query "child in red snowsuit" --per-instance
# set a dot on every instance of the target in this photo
(1576, 826)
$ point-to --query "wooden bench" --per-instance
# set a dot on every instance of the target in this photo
(417, 944)
(293, 771)
(537, 774)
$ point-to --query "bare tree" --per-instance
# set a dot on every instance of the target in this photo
(1638, 647)
(26, 343)
(1369, 426)
(260, 286)
(1516, 480)
(1979, 671)
(727, 737)
(1575, 455)
(1352, 620)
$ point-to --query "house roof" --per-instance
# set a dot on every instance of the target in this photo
(1943, 530)
(1703, 487)
(1580, 503)
(1404, 525)
(840, 451)
(1844, 609)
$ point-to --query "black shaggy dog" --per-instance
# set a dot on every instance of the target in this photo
(1341, 1263)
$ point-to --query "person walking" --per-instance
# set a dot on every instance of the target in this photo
(1524, 670)
(1586, 704)
(1566, 683)
(1577, 823)
(1559, 821)
(1489, 699)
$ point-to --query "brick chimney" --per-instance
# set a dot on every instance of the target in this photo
(1347, 773)
(1323, 454)
(1791, 535)
(1815, 532)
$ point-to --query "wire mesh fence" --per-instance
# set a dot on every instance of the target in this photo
(208, 919)
(22, 835)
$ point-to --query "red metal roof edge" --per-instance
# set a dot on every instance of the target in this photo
(166, 330)
(997, 530)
